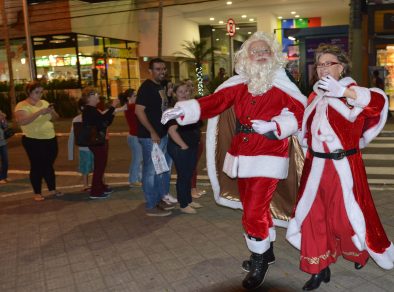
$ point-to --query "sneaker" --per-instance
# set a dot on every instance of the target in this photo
(108, 191)
(188, 210)
(163, 205)
(99, 197)
(156, 212)
(170, 199)
(195, 205)
(136, 184)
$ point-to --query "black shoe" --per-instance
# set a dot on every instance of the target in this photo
(257, 273)
(358, 266)
(165, 206)
(316, 279)
(270, 258)
(99, 197)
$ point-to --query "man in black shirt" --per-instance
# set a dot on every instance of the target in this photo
(151, 102)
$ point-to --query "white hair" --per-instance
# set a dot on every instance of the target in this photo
(260, 76)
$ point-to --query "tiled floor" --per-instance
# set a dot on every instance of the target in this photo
(74, 244)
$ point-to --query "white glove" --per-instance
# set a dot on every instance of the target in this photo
(263, 127)
(171, 114)
(332, 87)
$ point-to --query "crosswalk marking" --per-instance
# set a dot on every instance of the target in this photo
(382, 149)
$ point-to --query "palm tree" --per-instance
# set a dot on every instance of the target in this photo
(196, 52)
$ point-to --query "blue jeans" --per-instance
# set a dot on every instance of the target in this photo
(185, 163)
(4, 162)
(155, 186)
(135, 169)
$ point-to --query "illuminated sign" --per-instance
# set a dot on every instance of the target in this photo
(122, 53)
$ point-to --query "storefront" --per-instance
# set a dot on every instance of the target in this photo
(381, 44)
(77, 60)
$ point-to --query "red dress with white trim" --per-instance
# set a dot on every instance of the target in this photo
(335, 214)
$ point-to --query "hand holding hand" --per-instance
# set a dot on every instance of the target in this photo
(171, 114)
(263, 127)
(332, 87)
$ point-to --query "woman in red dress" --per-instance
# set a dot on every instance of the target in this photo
(335, 214)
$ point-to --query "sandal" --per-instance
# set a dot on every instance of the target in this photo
(38, 198)
(57, 193)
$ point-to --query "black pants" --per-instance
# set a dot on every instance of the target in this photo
(42, 154)
(185, 162)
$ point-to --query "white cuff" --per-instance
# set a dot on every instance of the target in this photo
(192, 111)
(288, 125)
(363, 97)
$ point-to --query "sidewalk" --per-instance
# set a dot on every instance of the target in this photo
(74, 244)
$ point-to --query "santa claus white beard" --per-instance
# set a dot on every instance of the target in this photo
(260, 77)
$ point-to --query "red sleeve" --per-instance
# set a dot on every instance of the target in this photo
(214, 104)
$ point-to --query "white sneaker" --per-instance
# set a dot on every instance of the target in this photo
(170, 199)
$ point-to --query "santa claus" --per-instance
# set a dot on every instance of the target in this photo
(335, 214)
(268, 108)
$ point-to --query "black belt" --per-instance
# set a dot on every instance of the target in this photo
(242, 128)
(336, 155)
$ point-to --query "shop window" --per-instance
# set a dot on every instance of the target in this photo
(20, 67)
(114, 43)
(59, 64)
(90, 45)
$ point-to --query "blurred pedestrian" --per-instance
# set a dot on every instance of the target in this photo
(135, 169)
(35, 115)
(85, 161)
(183, 148)
(3, 149)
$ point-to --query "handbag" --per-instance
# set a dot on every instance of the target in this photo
(86, 135)
(159, 160)
(8, 133)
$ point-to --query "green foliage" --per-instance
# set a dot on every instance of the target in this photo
(62, 84)
(65, 105)
(195, 52)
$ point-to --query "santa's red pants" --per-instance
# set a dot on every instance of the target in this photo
(326, 231)
(256, 194)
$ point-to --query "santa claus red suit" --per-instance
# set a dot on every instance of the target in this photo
(258, 161)
(334, 198)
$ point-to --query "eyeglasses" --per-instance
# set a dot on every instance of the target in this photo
(326, 64)
(92, 93)
(260, 52)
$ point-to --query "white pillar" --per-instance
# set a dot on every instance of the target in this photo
(266, 22)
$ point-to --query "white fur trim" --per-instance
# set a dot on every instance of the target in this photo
(363, 97)
(262, 246)
(230, 165)
(256, 166)
(287, 123)
(372, 132)
(384, 260)
(192, 111)
(282, 81)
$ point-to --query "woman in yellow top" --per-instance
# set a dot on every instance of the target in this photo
(34, 115)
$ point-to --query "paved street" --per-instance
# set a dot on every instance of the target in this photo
(74, 244)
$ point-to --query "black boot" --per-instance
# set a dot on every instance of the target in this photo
(270, 258)
(316, 279)
(258, 270)
(358, 266)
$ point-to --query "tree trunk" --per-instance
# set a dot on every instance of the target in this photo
(11, 95)
(160, 31)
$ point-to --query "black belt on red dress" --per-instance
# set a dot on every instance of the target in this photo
(336, 155)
